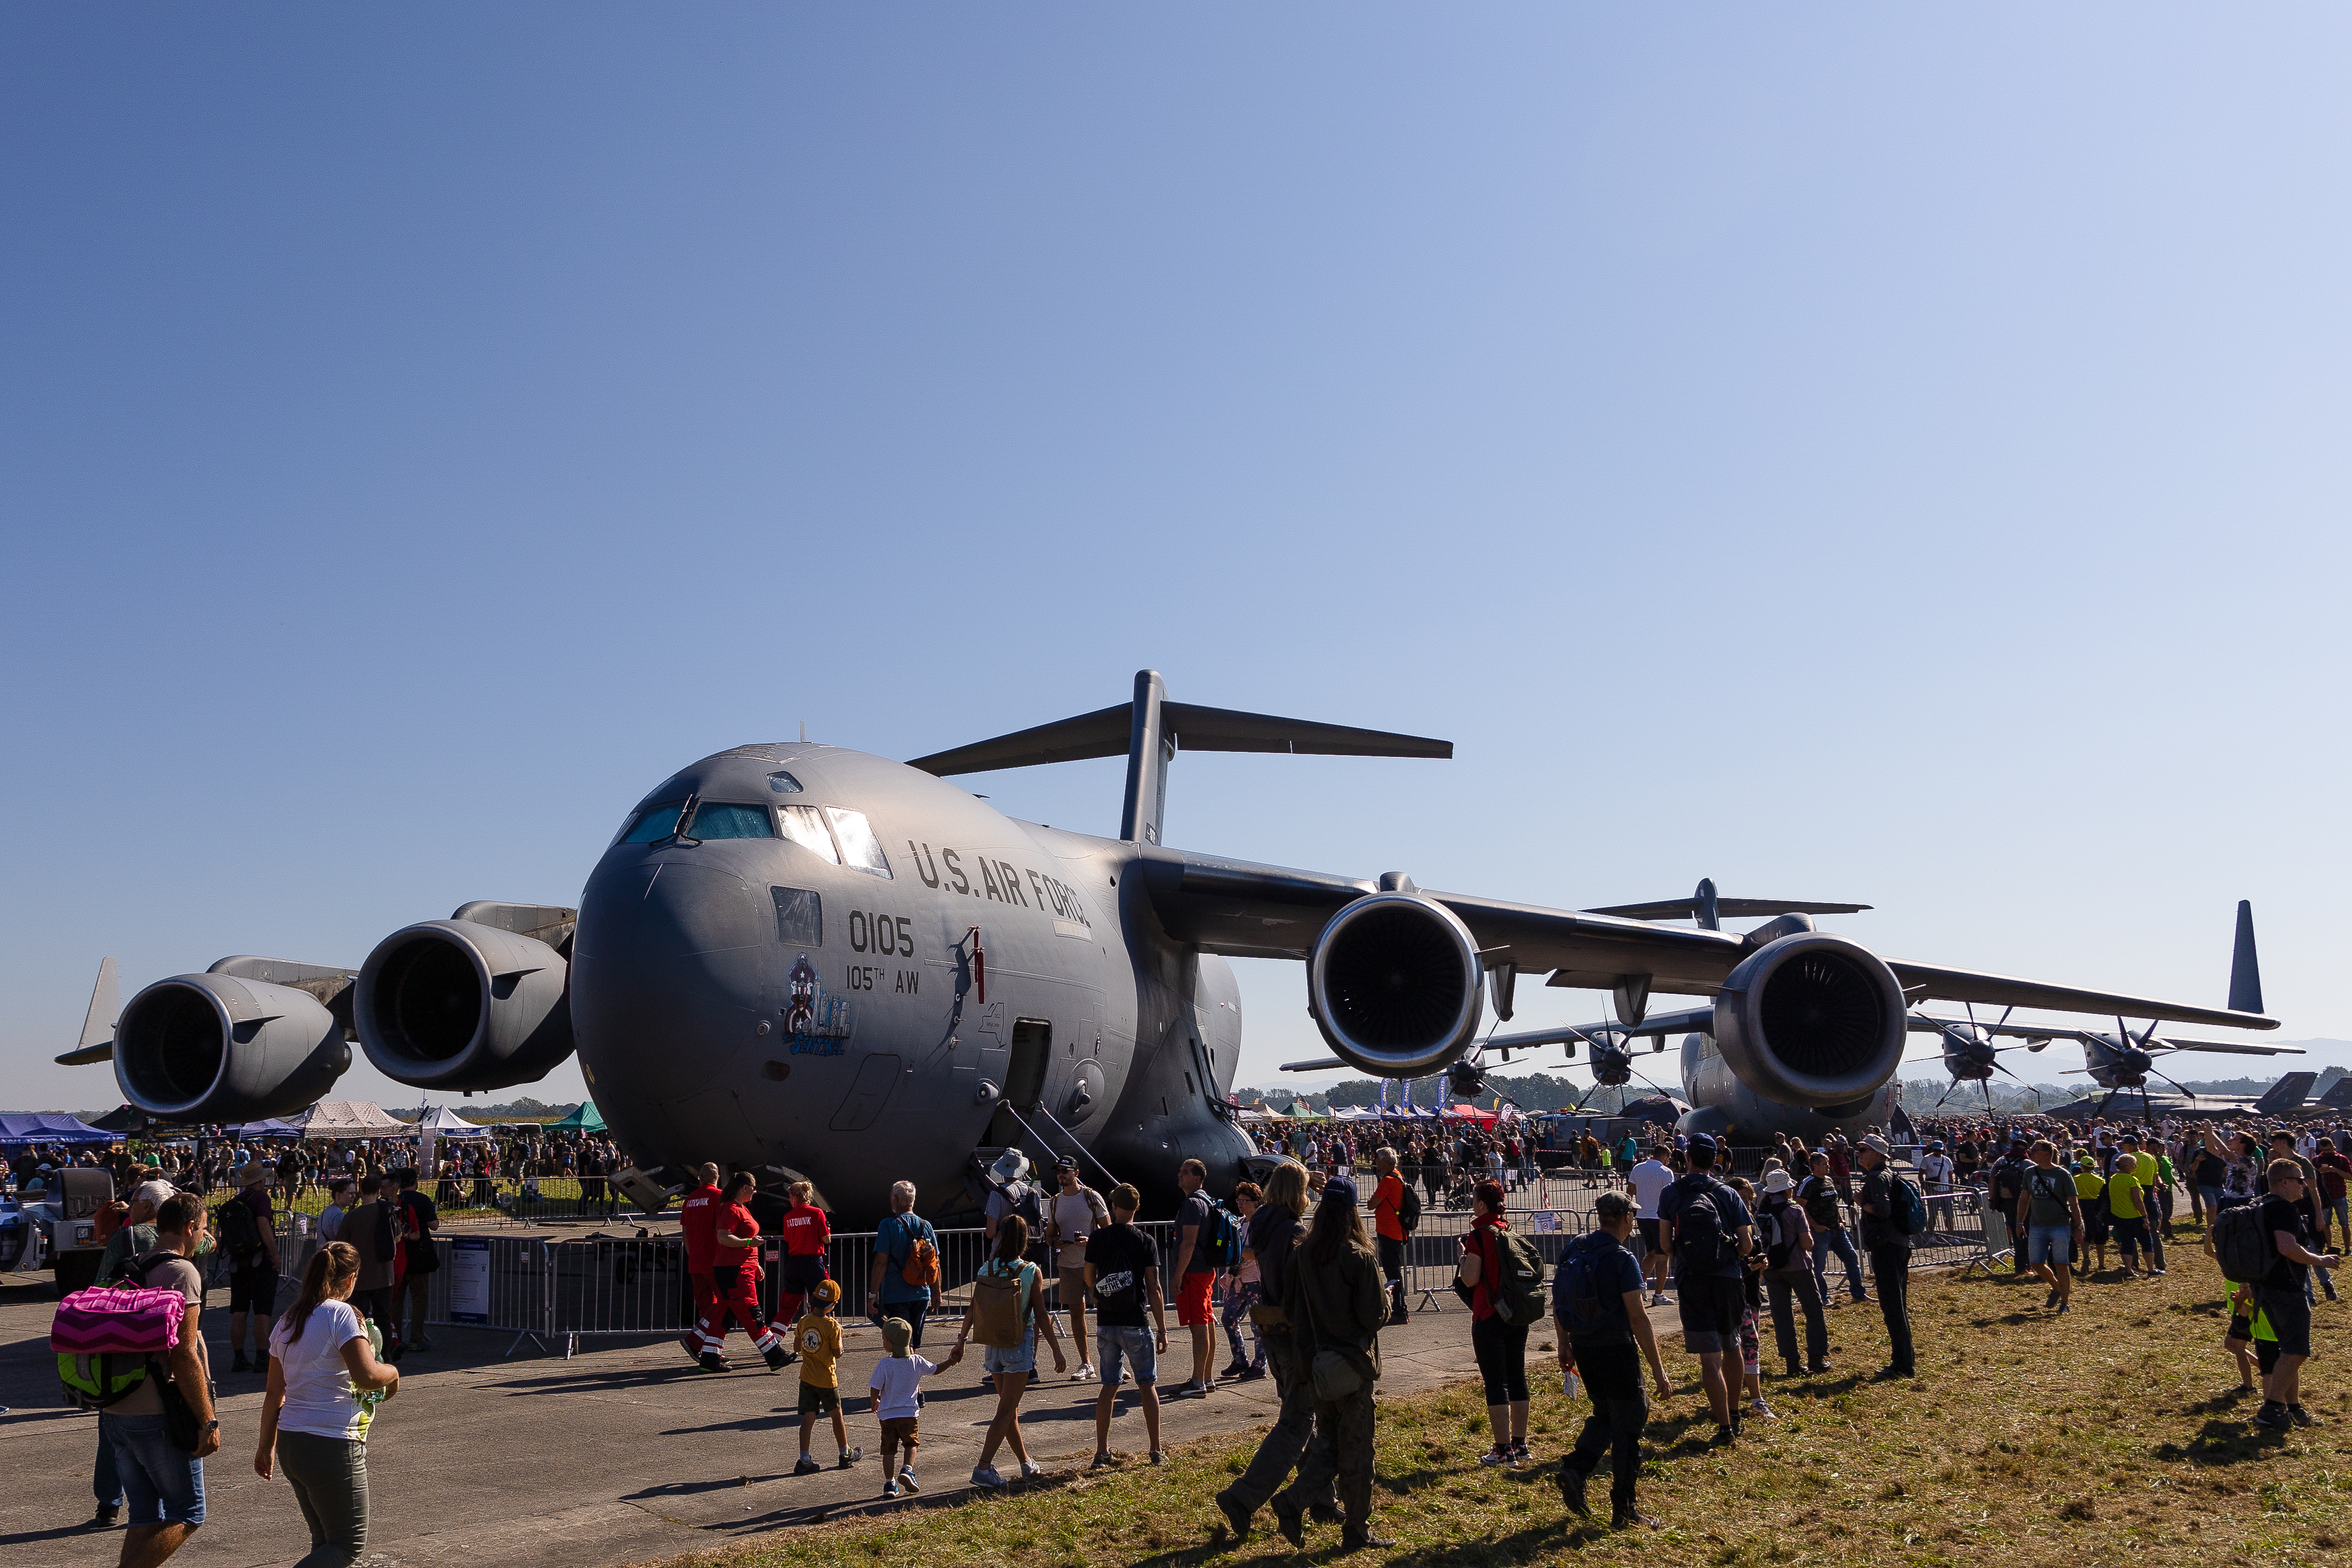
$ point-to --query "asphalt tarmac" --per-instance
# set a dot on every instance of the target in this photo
(622, 1453)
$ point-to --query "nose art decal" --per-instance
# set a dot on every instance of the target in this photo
(816, 1024)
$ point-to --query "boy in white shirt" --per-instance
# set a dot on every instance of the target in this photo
(897, 1391)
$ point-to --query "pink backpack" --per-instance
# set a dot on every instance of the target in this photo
(120, 1321)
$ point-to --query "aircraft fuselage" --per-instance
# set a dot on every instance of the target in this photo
(871, 979)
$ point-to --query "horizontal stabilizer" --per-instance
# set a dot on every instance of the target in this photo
(1320, 1064)
(1188, 727)
(1729, 908)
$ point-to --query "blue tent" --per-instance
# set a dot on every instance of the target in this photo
(50, 1129)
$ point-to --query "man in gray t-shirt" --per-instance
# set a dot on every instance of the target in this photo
(1073, 1214)
(164, 1482)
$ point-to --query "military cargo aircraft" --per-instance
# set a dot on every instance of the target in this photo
(809, 961)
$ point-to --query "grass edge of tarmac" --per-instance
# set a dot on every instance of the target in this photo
(2131, 1439)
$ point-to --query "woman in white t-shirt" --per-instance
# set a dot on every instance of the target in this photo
(312, 1417)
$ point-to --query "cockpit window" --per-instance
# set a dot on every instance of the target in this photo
(804, 827)
(783, 784)
(714, 819)
(652, 822)
(860, 850)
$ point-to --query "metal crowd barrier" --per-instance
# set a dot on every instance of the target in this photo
(553, 1290)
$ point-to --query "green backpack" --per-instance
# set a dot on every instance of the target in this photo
(1517, 1290)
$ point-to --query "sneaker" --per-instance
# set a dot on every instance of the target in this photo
(1103, 1461)
(807, 1465)
(1190, 1388)
(848, 1458)
(107, 1512)
(907, 1478)
(890, 1488)
(1399, 1317)
(1086, 1373)
(1237, 1518)
(778, 1358)
(1497, 1456)
(1571, 1493)
(1159, 1455)
(1249, 1374)
(1519, 1455)
(1724, 1438)
(2050, 1301)
(1631, 1518)
(2273, 1416)
(1234, 1369)
(1030, 1472)
(2065, 1307)
(1657, 1298)
(2301, 1417)
(713, 1362)
(1325, 1513)
(1817, 1368)
(1363, 1540)
(1759, 1409)
(986, 1476)
(691, 1345)
(240, 1363)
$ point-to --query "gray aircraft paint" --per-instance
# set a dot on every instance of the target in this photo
(684, 1006)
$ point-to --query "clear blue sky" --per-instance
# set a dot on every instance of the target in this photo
(1855, 453)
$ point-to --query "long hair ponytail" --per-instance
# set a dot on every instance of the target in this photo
(330, 1265)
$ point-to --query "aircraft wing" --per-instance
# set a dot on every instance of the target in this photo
(2229, 1047)
(1727, 908)
(1247, 910)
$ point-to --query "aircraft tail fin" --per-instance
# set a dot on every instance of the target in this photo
(2245, 972)
(1151, 729)
(2285, 1094)
(2339, 1094)
(97, 1024)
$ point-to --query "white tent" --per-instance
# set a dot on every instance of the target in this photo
(348, 1119)
(444, 1123)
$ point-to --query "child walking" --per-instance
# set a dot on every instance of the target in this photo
(817, 1336)
(898, 1393)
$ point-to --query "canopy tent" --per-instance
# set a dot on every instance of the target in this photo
(1472, 1114)
(1662, 1109)
(348, 1119)
(48, 1127)
(587, 1119)
(444, 1123)
(272, 1128)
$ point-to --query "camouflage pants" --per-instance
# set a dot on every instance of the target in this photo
(1342, 1447)
(1293, 1435)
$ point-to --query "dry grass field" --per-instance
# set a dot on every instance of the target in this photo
(2109, 1434)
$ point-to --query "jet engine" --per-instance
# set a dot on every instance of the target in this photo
(1396, 984)
(459, 1006)
(1812, 1020)
(218, 1048)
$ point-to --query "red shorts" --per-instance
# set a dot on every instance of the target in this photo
(1193, 1299)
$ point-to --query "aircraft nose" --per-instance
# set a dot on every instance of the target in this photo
(668, 977)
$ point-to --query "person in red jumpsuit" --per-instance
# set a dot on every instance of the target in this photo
(695, 1219)
(806, 1230)
(735, 1275)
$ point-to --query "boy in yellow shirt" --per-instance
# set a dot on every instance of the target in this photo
(817, 1337)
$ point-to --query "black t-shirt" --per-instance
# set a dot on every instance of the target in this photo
(2211, 1170)
(2279, 1215)
(1120, 1254)
(424, 1213)
(1196, 1210)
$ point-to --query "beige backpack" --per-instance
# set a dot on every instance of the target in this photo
(1001, 1305)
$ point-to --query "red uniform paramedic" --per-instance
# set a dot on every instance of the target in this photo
(806, 1230)
(696, 1216)
(735, 1276)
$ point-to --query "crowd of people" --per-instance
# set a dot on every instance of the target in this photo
(1300, 1272)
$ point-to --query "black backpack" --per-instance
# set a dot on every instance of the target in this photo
(239, 1231)
(1698, 1225)
(1408, 1210)
(1779, 1236)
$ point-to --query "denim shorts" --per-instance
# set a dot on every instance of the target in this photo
(163, 1484)
(2048, 1244)
(1118, 1345)
(1021, 1357)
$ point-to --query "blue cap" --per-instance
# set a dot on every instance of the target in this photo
(1339, 1187)
(1701, 1141)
